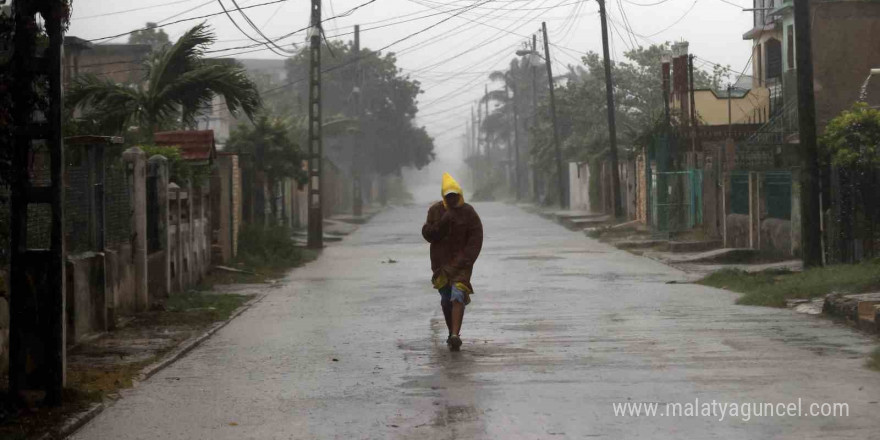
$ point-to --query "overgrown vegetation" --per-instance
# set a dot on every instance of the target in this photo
(195, 307)
(772, 288)
(269, 249)
(852, 139)
(874, 360)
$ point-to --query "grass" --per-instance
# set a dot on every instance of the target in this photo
(874, 360)
(264, 254)
(201, 307)
(773, 287)
(18, 423)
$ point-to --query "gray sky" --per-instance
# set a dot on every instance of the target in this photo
(452, 59)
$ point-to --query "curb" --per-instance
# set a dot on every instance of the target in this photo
(76, 422)
(191, 343)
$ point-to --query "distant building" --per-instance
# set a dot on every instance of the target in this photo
(120, 63)
(274, 71)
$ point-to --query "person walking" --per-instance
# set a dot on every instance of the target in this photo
(456, 235)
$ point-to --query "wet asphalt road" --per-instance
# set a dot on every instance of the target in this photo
(561, 328)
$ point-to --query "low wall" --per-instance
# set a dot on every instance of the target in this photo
(776, 237)
(86, 296)
(737, 231)
(119, 264)
(156, 280)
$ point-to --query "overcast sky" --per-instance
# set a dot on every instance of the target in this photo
(453, 58)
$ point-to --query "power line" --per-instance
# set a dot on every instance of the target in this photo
(234, 23)
(182, 21)
(144, 8)
(268, 42)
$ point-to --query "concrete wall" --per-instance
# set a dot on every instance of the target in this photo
(712, 109)
(845, 49)
(579, 184)
(86, 296)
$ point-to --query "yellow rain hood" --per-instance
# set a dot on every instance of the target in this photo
(451, 186)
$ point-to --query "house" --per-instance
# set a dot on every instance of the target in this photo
(763, 191)
(120, 63)
(845, 49)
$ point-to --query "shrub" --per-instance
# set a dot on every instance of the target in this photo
(270, 247)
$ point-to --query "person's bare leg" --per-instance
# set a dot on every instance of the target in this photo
(457, 317)
(447, 314)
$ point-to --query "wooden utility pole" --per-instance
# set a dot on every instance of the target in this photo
(37, 336)
(357, 201)
(509, 140)
(516, 167)
(316, 216)
(612, 126)
(479, 126)
(486, 132)
(563, 203)
(811, 234)
(693, 109)
(534, 116)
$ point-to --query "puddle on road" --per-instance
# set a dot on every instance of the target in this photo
(533, 258)
(537, 327)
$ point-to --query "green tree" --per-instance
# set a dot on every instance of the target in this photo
(270, 141)
(581, 108)
(156, 39)
(852, 139)
(388, 138)
(274, 155)
(178, 84)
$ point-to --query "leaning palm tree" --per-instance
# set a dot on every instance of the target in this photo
(178, 84)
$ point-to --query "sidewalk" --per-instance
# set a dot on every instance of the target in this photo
(104, 368)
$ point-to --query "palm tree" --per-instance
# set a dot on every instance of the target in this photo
(178, 84)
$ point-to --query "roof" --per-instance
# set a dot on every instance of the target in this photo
(196, 145)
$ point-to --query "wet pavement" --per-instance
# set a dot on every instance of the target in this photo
(561, 328)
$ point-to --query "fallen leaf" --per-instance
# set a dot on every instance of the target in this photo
(233, 424)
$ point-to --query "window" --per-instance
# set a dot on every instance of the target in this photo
(790, 55)
(773, 47)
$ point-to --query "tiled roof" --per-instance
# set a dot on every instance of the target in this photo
(193, 144)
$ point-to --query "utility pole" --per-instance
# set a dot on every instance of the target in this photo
(474, 146)
(561, 185)
(693, 109)
(811, 233)
(486, 132)
(729, 112)
(37, 338)
(316, 216)
(516, 167)
(534, 114)
(479, 126)
(509, 139)
(357, 201)
(612, 126)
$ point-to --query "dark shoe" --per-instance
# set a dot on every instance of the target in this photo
(449, 340)
(454, 343)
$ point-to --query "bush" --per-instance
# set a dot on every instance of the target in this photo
(268, 247)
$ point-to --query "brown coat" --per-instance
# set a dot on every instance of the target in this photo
(456, 237)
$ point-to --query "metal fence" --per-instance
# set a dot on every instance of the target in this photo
(677, 200)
